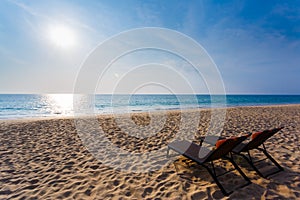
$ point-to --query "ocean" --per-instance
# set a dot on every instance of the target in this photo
(13, 106)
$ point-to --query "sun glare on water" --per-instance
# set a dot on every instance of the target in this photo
(61, 36)
(60, 103)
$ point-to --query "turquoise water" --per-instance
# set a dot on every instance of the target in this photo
(36, 105)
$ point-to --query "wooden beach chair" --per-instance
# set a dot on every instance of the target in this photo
(223, 150)
(257, 142)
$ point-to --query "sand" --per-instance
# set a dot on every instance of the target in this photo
(79, 159)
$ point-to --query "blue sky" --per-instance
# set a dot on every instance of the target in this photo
(255, 44)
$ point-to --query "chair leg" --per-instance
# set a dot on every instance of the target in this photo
(249, 160)
(217, 181)
(240, 171)
(275, 163)
(168, 152)
(215, 177)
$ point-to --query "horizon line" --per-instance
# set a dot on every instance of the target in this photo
(150, 94)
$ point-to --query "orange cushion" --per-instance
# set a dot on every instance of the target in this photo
(254, 135)
(220, 142)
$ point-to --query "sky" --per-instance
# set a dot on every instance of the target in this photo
(255, 45)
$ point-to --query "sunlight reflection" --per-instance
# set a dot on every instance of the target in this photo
(61, 103)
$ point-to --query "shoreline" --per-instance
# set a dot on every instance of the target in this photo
(37, 118)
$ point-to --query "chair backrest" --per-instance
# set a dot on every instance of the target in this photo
(261, 138)
(225, 147)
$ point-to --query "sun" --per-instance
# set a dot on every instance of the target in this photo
(61, 36)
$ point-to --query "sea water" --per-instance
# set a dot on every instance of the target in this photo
(45, 105)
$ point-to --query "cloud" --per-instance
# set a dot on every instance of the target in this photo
(51, 19)
(24, 7)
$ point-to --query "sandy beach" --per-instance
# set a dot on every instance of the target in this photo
(49, 159)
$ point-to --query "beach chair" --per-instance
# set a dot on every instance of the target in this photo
(223, 150)
(256, 142)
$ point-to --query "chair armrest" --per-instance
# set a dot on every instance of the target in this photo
(210, 139)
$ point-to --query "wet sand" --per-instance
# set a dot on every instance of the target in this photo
(80, 159)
